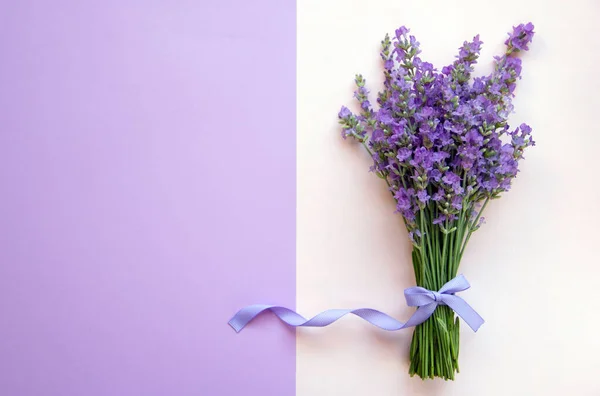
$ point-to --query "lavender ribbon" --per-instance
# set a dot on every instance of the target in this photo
(426, 301)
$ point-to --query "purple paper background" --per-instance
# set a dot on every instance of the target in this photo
(148, 192)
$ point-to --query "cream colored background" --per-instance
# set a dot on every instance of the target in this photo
(534, 267)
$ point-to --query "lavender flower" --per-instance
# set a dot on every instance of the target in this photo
(442, 143)
(344, 112)
(441, 139)
(520, 37)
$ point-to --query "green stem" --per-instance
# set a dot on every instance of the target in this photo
(471, 228)
(444, 263)
(422, 251)
(366, 146)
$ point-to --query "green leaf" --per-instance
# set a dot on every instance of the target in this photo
(442, 325)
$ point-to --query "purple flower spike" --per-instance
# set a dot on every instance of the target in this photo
(344, 112)
(520, 37)
(401, 32)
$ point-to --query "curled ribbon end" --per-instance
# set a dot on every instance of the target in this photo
(236, 327)
(473, 320)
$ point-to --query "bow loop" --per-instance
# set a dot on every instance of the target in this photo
(418, 296)
(455, 285)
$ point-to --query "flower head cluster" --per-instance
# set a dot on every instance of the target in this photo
(520, 37)
(441, 138)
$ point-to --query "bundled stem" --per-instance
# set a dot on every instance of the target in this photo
(435, 343)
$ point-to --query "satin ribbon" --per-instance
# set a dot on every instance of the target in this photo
(426, 301)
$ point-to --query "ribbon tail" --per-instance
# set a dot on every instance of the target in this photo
(464, 310)
(291, 318)
(421, 314)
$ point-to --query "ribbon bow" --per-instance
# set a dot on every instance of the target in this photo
(426, 301)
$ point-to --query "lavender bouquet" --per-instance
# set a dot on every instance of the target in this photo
(441, 142)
